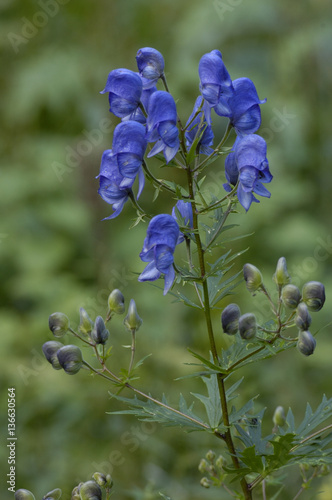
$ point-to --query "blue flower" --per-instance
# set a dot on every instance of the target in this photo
(245, 110)
(161, 125)
(125, 89)
(138, 115)
(215, 84)
(207, 138)
(158, 248)
(120, 165)
(248, 165)
(186, 214)
(150, 63)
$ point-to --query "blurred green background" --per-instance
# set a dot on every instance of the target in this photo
(57, 255)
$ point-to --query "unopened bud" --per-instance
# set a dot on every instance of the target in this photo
(75, 494)
(253, 277)
(86, 324)
(105, 481)
(247, 326)
(230, 319)
(279, 417)
(281, 276)
(306, 343)
(291, 296)
(99, 333)
(58, 324)
(24, 495)
(116, 302)
(220, 462)
(132, 321)
(210, 456)
(302, 318)
(313, 294)
(70, 358)
(205, 482)
(324, 470)
(50, 350)
(90, 491)
(203, 466)
(53, 495)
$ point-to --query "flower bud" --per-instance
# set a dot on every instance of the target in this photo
(205, 482)
(50, 350)
(230, 319)
(132, 321)
(116, 302)
(86, 324)
(24, 495)
(70, 358)
(58, 324)
(220, 462)
(281, 276)
(324, 470)
(75, 494)
(247, 326)
(53, 495)
(203, 466)
(306, 343)
(313, 294)
(102, 480)
(302, 318)
(253, 277)
(90, 491)
(210, 456)
(99, 333)
(279, 417)
(291, 296)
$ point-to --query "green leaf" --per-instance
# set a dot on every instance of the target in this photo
(211, 401)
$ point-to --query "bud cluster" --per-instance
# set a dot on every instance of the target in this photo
(93, 489)
(23, 494)
(233, 322)
(212, 467)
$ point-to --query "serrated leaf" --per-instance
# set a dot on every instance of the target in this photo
(253, 461)
(212, 401)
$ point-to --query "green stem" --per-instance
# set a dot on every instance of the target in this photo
(133, 349)
(162, 185)
(216, 151)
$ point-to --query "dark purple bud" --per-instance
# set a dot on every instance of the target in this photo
(230, 319)
(24, 495)
(247, 326)
(53, 495)
(58, 324)
(50, 350)
(313, 294)
(302, 318)
(306, 343)
(291, 296)
(150, 63)
(99, 333)
(70, 358)
(90, 491)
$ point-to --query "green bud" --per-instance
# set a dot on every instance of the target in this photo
(281, 276)
(116, 302)
(205, 482)
(230, 319)
(220, 462)
(75, 494)
(50, 350)
(291, 296)
(90, 491)
(70, 358)
(313, 294)
(203, 466)
(323, 470)
(109, 480)
(102, 480)
(53, 495)
(132, 321)
(86, 324)
(253, 277)
(58, 324)
(99, 333)
(306, 343)
(24, 495)
(302, 318)
(279, 417)
(210, 456)
(247, 326)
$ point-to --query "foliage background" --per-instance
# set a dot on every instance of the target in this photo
(57, 255)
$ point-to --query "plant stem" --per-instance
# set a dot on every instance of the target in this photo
(133, 348)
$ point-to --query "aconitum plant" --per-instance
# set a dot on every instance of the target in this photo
(245, 462)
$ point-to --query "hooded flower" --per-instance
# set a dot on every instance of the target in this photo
(245, 110)
(248, 165)
(150, 63)
(206, 139)
(125, 89)
(138, 115)
(161, 125)
(185, 212)
(215, 84)
(120, 165)
(158, 248)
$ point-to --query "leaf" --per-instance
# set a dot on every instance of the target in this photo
(212, 401)
(208, 363)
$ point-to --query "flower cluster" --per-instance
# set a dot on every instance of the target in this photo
(149, 116)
